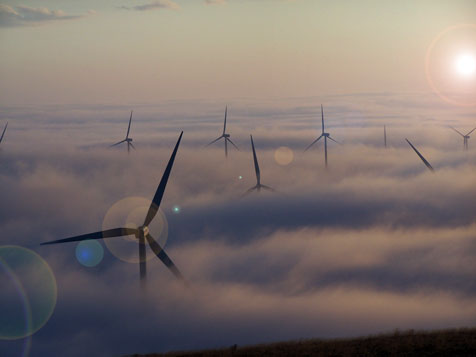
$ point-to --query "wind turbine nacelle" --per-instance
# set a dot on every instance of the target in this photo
(129, 140)
(326, 134)
(226, 135)
(145, 230)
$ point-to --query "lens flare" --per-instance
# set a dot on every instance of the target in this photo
(130, 212)
(465, 65)
(28, 292)
(450, 65)
(89, 253)
(284, 155)
(176, 209)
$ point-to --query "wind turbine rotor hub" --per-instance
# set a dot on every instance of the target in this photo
(226, 135)
(144, 230)
(326, 134)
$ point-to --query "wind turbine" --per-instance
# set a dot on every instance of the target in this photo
(225, 136)
(258, 186)
(465, 137)
(3, 133)
(421, 156)
(325, 135)
(141, 233)
(127, 140)
(385, 135)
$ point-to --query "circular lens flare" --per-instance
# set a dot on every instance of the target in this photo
(130, 212)
(28, 292)
(89, 253)
(284, 155)
(465, 65)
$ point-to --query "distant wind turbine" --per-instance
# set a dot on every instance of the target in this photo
(465, 137)
(3, 133)
(385, 136)
(325, 135)
(421, 157)
(225, 136)
(127, 140)
(258, 186)
(141, 233)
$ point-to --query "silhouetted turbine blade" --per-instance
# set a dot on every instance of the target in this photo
(214, 141)
(142, 259)
(232, 143)
(3, 133)
(315, 141)
(258, 175)
(132, 145)
(268, 188)
(110, 233)
(334, 140)
(466, 134)
(129, 127)
(421, 156)
(224, 124)
(120, 142)
(154, 206)
(457, 131)
(249, 191)
(160, 253)
(322, 116)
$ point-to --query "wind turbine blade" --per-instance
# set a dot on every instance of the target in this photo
(3, 133)
(132, 145)
(110, 233)
(154, 206)
(421, 156)
(268, 188)
(258, 175)
(214, 141)
(322, 115)
(129, 127)
(142, 259)
(457, 131)
(315, 141)
(226, 147)
(224, 124)
(120, 142)
(249, 191)
(128, 147)
(232, 143)
(160, 253)
(334, 140)
(466, 134)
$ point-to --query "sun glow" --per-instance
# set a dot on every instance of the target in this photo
(465, 65)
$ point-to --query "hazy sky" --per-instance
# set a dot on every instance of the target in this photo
(128, 52)
(375, 243)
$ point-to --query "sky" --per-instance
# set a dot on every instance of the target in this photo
(372, 244)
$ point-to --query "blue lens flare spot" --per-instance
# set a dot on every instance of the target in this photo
(176, 209)
(240, 177)
(89, 253)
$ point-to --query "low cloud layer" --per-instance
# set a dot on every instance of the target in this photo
(375, 243)
(154, 5)
(22, 15)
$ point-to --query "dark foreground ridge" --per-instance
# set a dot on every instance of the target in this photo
(457, 342)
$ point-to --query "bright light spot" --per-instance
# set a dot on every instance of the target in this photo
(89, 253)
(284, 155)
(466, 65)
(176, 209)
(240, 177)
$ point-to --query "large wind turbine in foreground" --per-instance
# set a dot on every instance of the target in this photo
(427, 164)
(142, 233)
(258, 186)
(325, 135)
(127, 140)
(225, 136)
(465, 137)
(3, 133)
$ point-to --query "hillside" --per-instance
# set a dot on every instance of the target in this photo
(457, 342)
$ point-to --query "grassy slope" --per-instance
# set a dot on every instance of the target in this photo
(461, 342)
